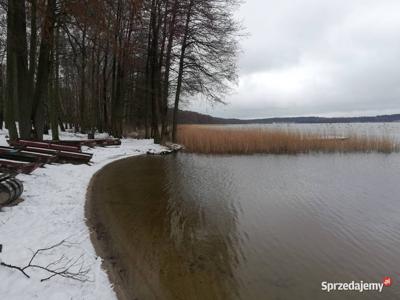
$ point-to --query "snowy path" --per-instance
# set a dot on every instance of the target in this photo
(52, 211)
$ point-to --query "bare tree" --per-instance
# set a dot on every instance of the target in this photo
(113, 65)
(207, 60)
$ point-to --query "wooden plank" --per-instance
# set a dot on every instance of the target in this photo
(45, 145)
(20, 155)
(18, 166)
(89, 142)
(62, 156)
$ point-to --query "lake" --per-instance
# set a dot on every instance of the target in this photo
(253, 227)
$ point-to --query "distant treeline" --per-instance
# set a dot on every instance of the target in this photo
(189, 117)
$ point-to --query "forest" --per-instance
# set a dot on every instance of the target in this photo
(115, 66)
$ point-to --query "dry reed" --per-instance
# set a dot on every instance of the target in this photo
(225, 140)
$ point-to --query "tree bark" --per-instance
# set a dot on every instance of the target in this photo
(44, 66)
(2, 89)
(180, 72)
(165, 95)
(32, 57)
(21, 51)
(11, 73)
(54, 98)
(105, 82)
(82, 98)
(154, 72)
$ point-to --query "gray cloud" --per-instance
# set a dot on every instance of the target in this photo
(316, 57)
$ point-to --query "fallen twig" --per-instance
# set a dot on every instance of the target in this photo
(62, 267)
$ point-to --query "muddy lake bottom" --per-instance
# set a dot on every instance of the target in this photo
(250, 227)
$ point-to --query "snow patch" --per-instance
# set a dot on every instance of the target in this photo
(52, 211)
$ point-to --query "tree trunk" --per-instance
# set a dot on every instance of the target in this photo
(33, 45)
(105, 82)
(32, 58)
(114, 95)
(54, 98)
(21, 51)
(41, 89)
(11, 73)
(165, 95)
(154, 73)
(82, 98)
(180, 73)
(2, 89)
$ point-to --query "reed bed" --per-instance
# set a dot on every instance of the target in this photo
(224, 140)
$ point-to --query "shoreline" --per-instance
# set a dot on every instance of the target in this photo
(101, 239)
(131, 278)
(53, 210)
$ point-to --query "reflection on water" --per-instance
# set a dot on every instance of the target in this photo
(254, 227)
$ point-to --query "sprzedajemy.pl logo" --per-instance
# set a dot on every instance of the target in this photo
(359, 286)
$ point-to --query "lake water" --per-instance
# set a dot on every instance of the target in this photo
(254, 227)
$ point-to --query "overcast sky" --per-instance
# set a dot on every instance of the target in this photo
(316, 57)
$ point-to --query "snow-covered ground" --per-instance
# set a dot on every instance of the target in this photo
(53, 211)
